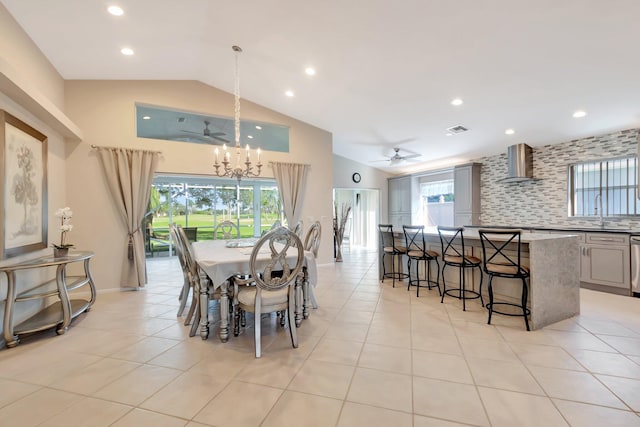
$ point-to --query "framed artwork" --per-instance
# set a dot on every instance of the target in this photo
(23, 189)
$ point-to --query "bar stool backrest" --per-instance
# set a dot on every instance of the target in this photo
(495, 243)
(447, 240)
(414, 237)
(387, 239)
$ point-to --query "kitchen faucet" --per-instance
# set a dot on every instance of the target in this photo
(598, 208)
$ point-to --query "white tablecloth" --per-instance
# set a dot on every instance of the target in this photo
(220, 262)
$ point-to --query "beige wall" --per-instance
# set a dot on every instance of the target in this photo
(372, 179)
(105, 111)
(19, 51)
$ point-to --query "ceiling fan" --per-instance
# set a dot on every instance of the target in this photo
(397, 158)
(206, 132)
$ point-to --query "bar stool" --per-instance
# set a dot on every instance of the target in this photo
(455, 257)
(500, 264)
(388, 247)
(417, 251)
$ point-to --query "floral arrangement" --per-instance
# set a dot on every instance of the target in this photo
(65, 215)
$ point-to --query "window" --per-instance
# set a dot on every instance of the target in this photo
(436, 194)
(615, 179)
(205, 202)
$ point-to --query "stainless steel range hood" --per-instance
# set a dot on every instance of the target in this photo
(520, 164)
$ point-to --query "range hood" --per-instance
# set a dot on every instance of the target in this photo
(520, 164)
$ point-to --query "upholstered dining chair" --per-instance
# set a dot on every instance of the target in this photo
(312, 244)
(228, 229)
(186, 286)
(298, 228)
(272, 293)
(198, 279)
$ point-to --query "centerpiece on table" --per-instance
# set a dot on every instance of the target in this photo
(65, 214)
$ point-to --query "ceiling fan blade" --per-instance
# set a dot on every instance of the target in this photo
(217, 138)
(411, 156)
(378, 161)
(214, 133)
(190, 131)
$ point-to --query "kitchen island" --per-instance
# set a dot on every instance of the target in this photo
(554, 284)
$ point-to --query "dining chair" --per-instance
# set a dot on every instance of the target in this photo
(186, 286)
(227, 229)
(499, 261)
(198, 279)
(453, 254)
(272, 293)
(312, 244)
(298, 229)
(417, 251)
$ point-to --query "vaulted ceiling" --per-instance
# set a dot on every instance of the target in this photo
(386, 71)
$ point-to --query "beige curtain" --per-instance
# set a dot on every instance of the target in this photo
(291, 179)
(129, 174)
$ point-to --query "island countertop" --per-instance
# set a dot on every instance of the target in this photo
(554, 282)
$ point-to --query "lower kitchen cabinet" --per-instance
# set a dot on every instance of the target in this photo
(605, 260)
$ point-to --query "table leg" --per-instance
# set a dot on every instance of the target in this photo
(224, 311)
(305, 293)
(204, 309)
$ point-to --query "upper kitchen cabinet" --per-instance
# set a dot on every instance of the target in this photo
(466, 181)
(400, 201)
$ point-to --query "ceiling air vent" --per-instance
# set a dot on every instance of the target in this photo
(457, 129)
(181, 119)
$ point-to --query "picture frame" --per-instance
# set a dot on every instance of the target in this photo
(23, 190)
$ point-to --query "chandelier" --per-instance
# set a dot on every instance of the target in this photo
(242, 168)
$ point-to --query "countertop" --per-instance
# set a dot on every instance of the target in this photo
(567, 229)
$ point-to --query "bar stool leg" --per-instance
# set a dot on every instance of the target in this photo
(438, 276)
(525, 291)
(384, 270)
(490, 305)
(463, 283)
(480, 287)
(409, 270)
(444, 285)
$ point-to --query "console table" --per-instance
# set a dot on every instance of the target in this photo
(62, 310)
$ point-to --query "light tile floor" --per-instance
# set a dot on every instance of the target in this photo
(371, 355)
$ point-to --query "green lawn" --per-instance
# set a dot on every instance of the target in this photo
(204, 222)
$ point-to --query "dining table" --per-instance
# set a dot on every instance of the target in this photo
(222, 260)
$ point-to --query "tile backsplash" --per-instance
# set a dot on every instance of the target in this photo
(543, 202)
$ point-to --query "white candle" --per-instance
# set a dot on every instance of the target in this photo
(217, 153)
(258, 155)
(247, 151)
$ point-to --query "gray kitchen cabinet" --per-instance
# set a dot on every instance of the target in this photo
(400, 197)
(605, 260)
(466, 191)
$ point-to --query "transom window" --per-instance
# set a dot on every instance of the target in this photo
(616, 180)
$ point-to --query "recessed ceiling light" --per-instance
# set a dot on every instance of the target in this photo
(258, 127)
(146, 118)
(310, 71)
(448, 134)
(509, 131)
(579, 114)
(457, 101)
(126, 51)
(250, 136)
(289, 93)
(115, 10)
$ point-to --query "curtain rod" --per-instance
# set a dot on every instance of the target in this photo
(123, 148)
(289, 163)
